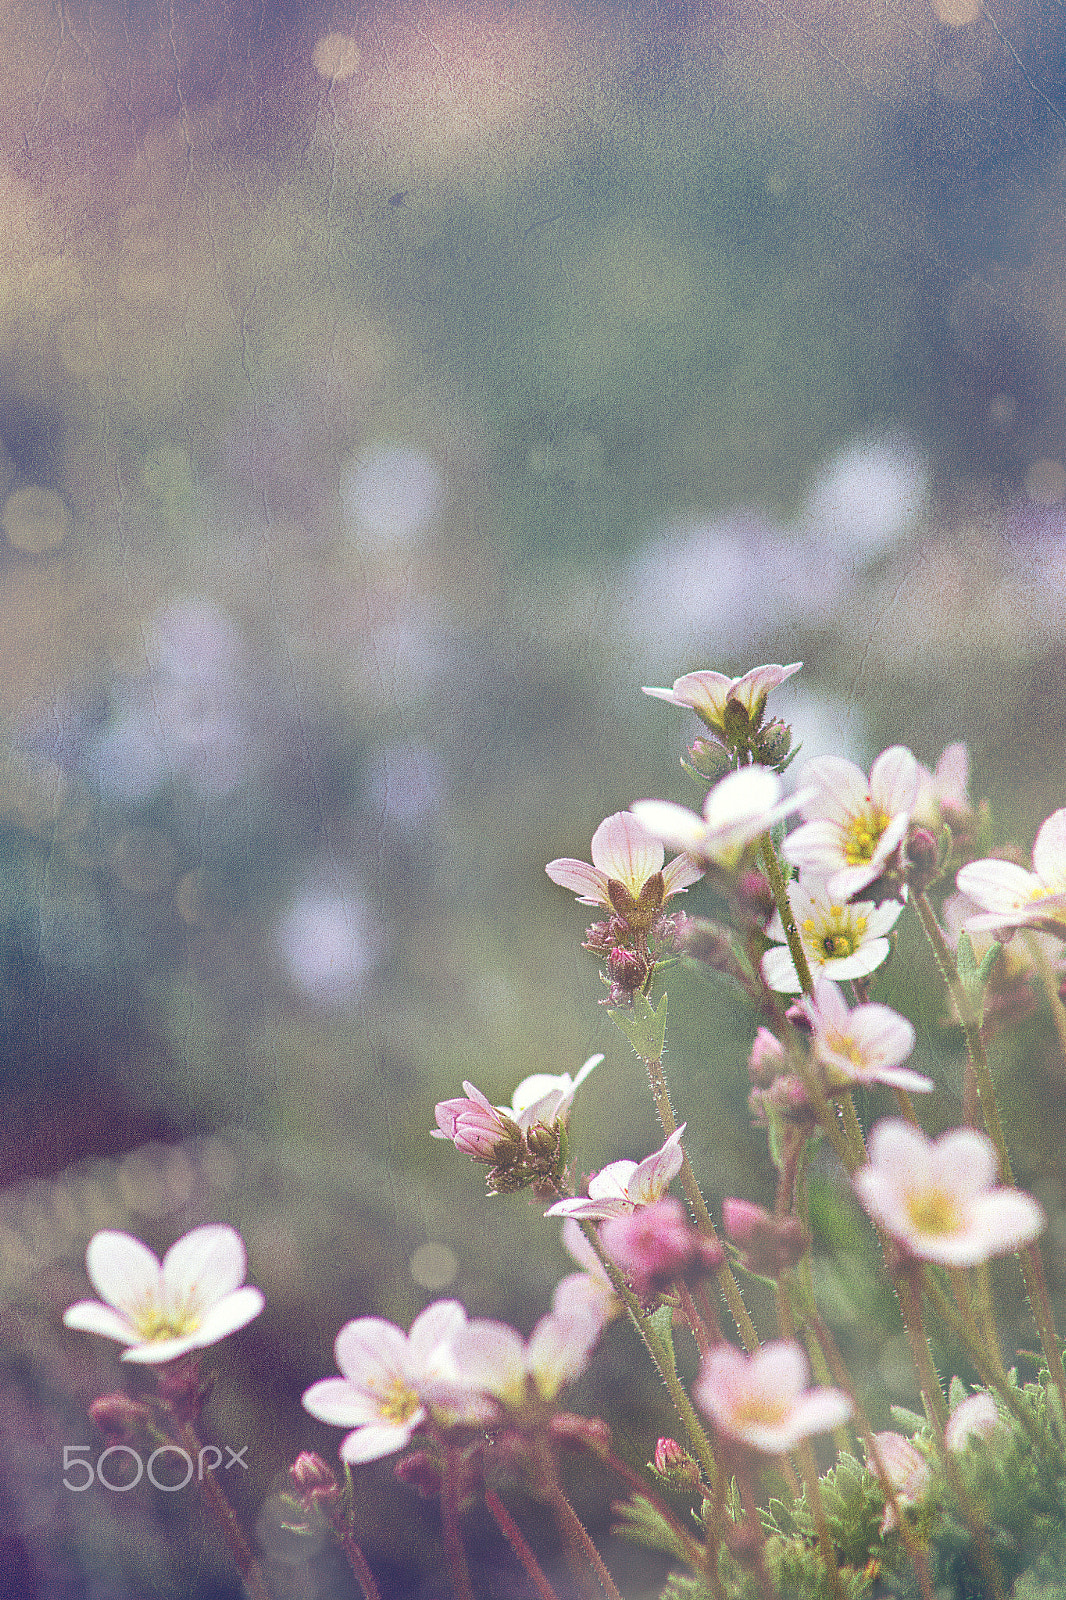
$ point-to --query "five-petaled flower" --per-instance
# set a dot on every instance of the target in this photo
(864, 1045)
(711, 695)
(763, 1400)
(1009, 897)
(840, 940)
(161, 1311)
(938, 1198)
(622, 1186)
(736, 812)
(853, 826)
(627, 875)
(390, 1379)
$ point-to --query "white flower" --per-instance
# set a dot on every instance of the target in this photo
(763, 1400)
(622, 1186)
(709, 693)
(937, 1197)
(853, 826)
(839, 940)
(1010, 897)
(976, 1417)
(545, 1098)
(736, 812)
(622, 852)
(943, 795)
(492, 1359)
(388, 1379)
(162, 1311)
(864, 1045)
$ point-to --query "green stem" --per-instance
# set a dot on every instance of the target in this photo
(809, 1468)
(1051, 988)
(694, 1195)
(573, 1532)
(226, 1518)
(788, 920)
(698, 1438)
(513, 1534)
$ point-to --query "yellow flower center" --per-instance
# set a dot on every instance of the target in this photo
(837, 936)
(396, 1401)
(760, 1410)
(155, 1322)
(863, 834)
(933, 1211)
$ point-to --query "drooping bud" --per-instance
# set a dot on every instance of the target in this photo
(923, 859)
(119, 1416)
(767, 1059)
(589, 1433)
(420, 1471)
(768, 1244)
(656, 1245)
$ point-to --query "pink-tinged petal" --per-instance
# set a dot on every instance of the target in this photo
(651, 1179)
(953, 778)
(612, 1181)
(815, 847)
(842, 790)
(204, 1266)
(559, 1349)
(662, 694)
(965, 1161)
(976, 1417)
(491, 1357)
(819, 1411)
(89, 1316)
(898, 1147)
(432, 1330)
(755, 685)
(121, 1269)
(591, 1210)
(880, 1195)
(334, 1400)
(622, 849)
(1049, 851)
(781, 1368)
(742, 796)
(828, 1005)
(587, 882)
(474, 1093)
(1005, 1220)
(704, 692)
(673, 825)
(1000, 886)
(233, 1311)
(899, 1078)
(894, 780)
(379, 1439)
(160, 1351)
(579, 1250)
(882, 1035)
(679, 874)
(581, 1294)
(370, 1349)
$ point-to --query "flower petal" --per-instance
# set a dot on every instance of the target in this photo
(675, 826)
(204, 1266)
(894, 780)
(622, 849)
(336, 1401)
(89, 1316)
(370, 1349)
(233, 1311)
(379, 1439)
(588, 883)
(121, 1269)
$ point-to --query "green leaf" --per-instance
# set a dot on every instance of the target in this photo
(642, 1522)
(662, 1323)
(974, 976)
(644, 1026)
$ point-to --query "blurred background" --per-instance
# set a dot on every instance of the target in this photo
(386, 394)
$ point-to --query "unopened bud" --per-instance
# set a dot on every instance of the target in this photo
(923, 859)
(767, 1058)
(708, 760)
(420, 1471)
(709, 943)
(755, 896)
(626, 968)
(119, 1416)
(313, 1478)
(673, 1462)
(772, 745)
(768, 1244)
(589, 1433)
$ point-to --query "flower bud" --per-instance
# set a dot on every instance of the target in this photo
(313, 1479)
(673, 1462)
(421, 1471)
(768, 1244)
(709, 943)
(708, 760)
(626, 968)
(755, 897)
(923, 859)
(772, 745)
(655, 1245)
(767, 1058)
(119, 1416)
(589, 1433)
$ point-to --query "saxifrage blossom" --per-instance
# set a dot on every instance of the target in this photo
(763, 1400)
(622, 1186)
(493, 1359)
(938, 1198)
(389, 1379)
(736, 812)
(163, 1310)
(854, 825)
(476, 1127)
(709, 694)
(625, 854)
(1009, 897)
(840, 939)
(864, 1045)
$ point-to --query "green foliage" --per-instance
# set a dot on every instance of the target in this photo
(644, 1026)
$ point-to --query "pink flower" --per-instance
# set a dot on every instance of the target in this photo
(937, 1198)
(736, 812)
(906, 1469)
(1010, 897)
(474, 1125)
(943, 795)
(657, 1244)
(865, 1045)
(623, 1186)
(709, 694)
(840, 940)
(387, 1380)
(762, 1400)
(854, 826)
(162, 1311)
(623, 852)
(768, 1244)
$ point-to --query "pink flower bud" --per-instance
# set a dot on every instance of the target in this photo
(656, 1245)
(589, 1433)
(626, 968)
(312, 1478)
(674, 1462)
(119, 1416)
(473, 1125)
(767, 1058)
(769, 1244)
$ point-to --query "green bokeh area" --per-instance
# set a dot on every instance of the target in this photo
(596, 284)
